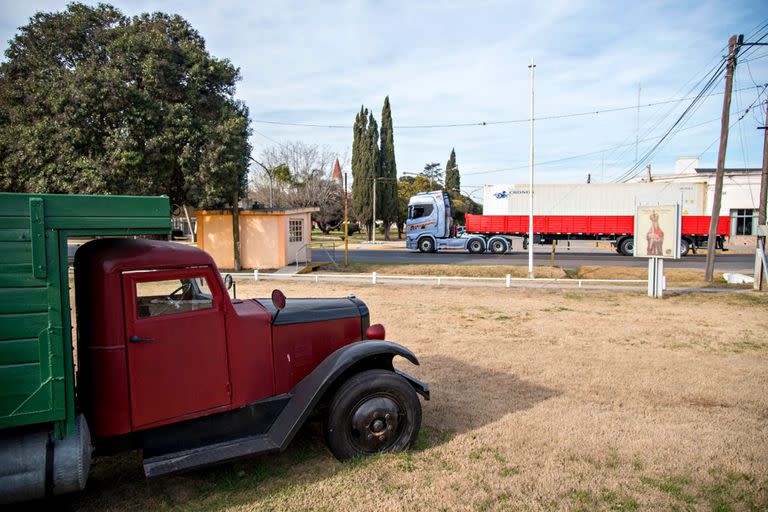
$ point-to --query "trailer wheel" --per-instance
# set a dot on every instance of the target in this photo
(497, 246)
(426, 244)
(627, 246)
(685, 246)
(375, 411)
(475, 246)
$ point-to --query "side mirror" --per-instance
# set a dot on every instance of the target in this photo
(229, 283)
(278, 300)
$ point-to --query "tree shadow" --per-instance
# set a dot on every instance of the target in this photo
(465, 397)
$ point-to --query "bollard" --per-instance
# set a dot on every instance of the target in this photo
(256, 274)
(509, 280)
(373, 277)
(438, 281)
(316, 279)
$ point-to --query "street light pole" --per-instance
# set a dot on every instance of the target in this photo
(531, 66)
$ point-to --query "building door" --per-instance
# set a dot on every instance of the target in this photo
(176, 339)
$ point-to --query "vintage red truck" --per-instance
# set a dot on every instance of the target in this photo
(166, 361)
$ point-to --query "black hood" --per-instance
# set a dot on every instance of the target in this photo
(299, 311)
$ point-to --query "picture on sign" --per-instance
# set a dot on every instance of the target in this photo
(657, 231)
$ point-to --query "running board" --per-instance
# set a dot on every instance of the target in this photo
(205, 455)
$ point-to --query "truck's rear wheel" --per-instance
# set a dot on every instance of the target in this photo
(627, 246)
(475, 246)
(426, 245)
(685, 246)
(497, 246)
(373, 412)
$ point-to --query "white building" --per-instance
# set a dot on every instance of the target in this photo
(741, 194)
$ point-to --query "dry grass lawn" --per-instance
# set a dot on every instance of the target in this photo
(542, 400)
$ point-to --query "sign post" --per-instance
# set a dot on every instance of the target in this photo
(657, 237)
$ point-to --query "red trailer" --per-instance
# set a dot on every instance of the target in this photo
(618, 229)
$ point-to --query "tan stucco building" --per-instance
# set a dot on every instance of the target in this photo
(269, 238)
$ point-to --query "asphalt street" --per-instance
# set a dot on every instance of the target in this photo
(724, 262)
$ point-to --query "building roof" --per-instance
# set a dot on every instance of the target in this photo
(732, 170)
(261, 211)
(336, 171)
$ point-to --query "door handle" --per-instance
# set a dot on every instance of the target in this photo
(136, 339)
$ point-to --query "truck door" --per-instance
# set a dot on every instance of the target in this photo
(176, 339)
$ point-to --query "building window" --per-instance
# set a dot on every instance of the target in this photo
(295, 230)
(743, 221)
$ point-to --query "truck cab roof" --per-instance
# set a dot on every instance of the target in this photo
(110, 255)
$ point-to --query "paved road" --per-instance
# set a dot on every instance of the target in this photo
(724, 262)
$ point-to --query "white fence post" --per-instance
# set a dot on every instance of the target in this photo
(509, 280)
(373, 277)
(256, 274)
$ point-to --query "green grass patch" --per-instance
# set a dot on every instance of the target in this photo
(674, 486)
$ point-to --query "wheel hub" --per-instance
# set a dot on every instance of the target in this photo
(374, 424)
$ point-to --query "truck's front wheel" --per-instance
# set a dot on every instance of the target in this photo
(426, 245)
(373, 412)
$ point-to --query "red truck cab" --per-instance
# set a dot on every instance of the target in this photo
(169, 363)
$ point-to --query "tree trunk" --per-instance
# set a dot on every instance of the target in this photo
(387, 225)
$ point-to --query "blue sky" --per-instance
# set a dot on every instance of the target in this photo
(465, 62)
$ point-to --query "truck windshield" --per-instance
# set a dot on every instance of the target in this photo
(416, 211)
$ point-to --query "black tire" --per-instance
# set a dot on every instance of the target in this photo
(627, 246)
(375, 411)
(426, 244)
(475, 246)
(497, 246)
(685, 246)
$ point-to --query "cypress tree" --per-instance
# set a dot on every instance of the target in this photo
(386, 189)
(452, 177)
(372, 165)
(361, 178)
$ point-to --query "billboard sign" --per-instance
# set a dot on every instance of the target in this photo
(657, 231)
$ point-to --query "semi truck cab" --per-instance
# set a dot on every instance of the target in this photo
(430, 228)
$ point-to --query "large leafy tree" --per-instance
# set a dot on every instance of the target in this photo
(452, 178)
(387, 186)
(92, 101)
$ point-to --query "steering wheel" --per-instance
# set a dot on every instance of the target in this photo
(181, 290)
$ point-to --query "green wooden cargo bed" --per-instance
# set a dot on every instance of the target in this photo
(36, 360)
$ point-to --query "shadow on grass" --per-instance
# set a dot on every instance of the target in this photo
(464, 397)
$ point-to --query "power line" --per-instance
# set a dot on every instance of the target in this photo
(493, 123)
(714, 78)
(581, 155)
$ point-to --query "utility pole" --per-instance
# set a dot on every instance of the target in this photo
(733, 49)
(648, 173)
(373, 229)
(761, 214)
(531, 66)
(637, 122)
(346, 224)
(589, 178)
